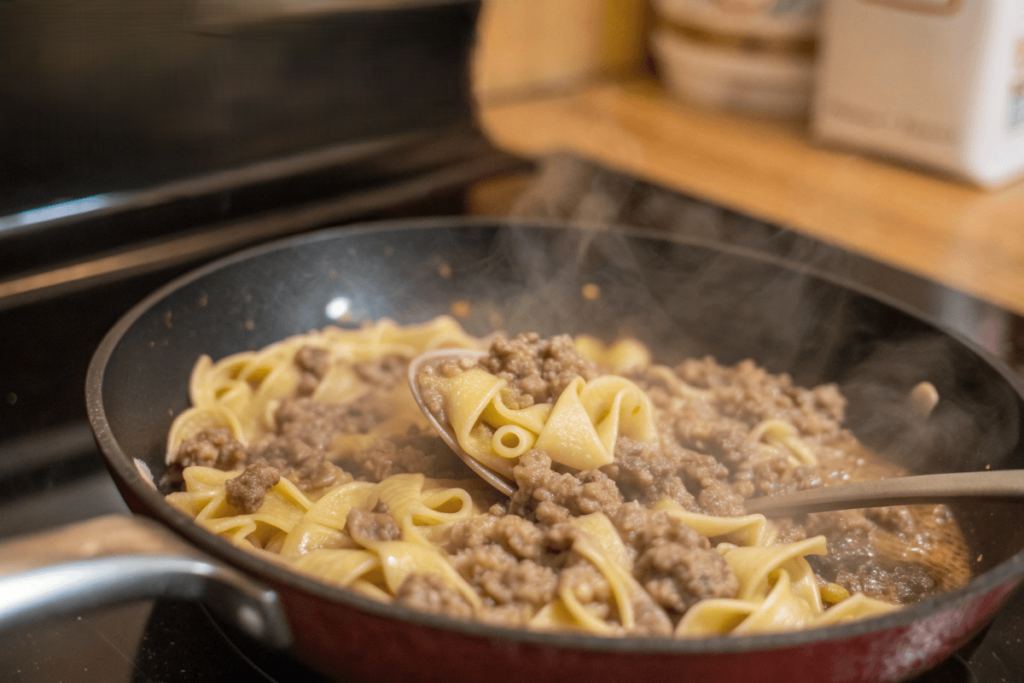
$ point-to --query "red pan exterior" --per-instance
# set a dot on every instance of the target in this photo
(342, 644)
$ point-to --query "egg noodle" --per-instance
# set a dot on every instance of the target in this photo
(306, 530)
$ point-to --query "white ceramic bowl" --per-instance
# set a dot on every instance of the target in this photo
(730, 77)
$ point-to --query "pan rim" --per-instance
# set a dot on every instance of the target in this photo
(1010, 570)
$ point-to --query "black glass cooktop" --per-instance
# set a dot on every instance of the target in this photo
(57, 476)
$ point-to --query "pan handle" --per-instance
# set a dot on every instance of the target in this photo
(116, 559)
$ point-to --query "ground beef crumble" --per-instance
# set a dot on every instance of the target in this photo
(678, 576)
(642, 529)
(313, 364)
(247, 491)
(412, 452)
(675, 564)
(374, 525)
(589, 586)
(520, 555)
(430, 593)
(212, 448)
(305, 464)
(316, 422)
(537, 370)
(750, 394)
(504, 579)
(384, 373)
(301, 447)
(546, 495)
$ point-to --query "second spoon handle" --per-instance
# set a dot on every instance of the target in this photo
(924, 488)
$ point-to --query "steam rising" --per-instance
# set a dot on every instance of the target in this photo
(974, 424)
(687, 301)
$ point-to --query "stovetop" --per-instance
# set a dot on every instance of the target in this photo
(56, 476)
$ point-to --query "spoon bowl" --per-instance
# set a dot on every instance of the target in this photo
(441, 426)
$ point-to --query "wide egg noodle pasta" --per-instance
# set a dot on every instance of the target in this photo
(406, 500)
(621, 358)
(857, 606)
(782, 609)
(604, 536)
(578, 615)
(580, 430)
(676, 386)
(195, 420)
(342, 567)
(588, 418)
(753, 565)
(322, 527)
(202, 486)
(205, 499)
(715, 617)
(623, 585)
(605, 552)
(340, 385)
(512, 441)
(557, 616)
(313, 531)
(387, 338)
(780, 433)
(471, 399)
(241, 392)
(402, 559)
(778, 589)
(748, 530)
(779, 610)
(411, 506)
(282, 380)
(209, 382)
(600, 544)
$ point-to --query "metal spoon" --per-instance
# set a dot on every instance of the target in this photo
(925, 488)
(920, 488)
(444, 428)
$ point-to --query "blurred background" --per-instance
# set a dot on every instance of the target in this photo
(880, 139)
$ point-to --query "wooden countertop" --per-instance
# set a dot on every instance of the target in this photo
(967, 238)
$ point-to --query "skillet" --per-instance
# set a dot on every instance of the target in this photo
(683, 297)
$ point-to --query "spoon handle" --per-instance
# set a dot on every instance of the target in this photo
(925, 488)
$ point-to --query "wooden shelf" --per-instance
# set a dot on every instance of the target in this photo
(959, 235)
